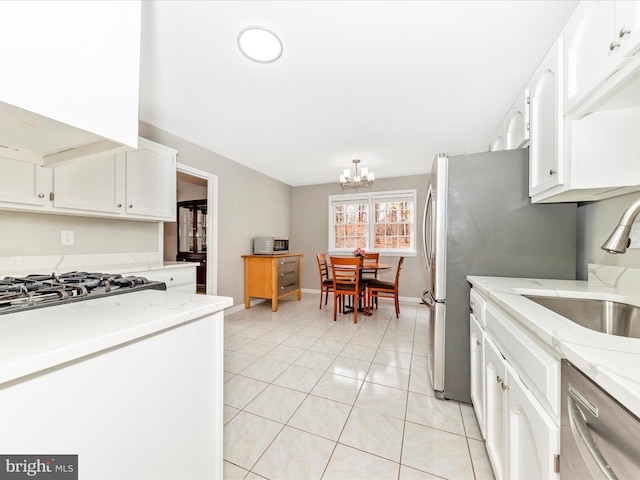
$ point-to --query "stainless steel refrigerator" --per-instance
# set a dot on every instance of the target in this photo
(479, 221)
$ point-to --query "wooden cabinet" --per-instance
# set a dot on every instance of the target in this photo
(138, 184)
(546, 167)
(272, 277)
(192, 237)
(516, 387)
(24, 184)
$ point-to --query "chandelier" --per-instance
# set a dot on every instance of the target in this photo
(364, 179)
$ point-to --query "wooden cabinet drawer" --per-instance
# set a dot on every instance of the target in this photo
(287, 281)
(538, 369)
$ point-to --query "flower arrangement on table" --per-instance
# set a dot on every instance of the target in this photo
(359, 252)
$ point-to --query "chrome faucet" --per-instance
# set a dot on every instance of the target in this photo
(619, 240)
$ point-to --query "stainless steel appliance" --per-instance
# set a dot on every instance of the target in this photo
(599, 438)
(18, 294)
(479, 221)
(270, 245)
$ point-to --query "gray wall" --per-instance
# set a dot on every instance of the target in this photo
(596, 220)
(250, 204)
(310, 226)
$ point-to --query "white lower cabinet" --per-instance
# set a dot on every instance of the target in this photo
(477, 370)
(521, 431)
(181, 279)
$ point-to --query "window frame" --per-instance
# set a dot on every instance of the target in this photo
(370, 200)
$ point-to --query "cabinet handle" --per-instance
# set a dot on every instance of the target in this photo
(41, 195)
(499, 380)
(171, 279)
(504, 386)
(624, 31)
(130, 206)
(473, 304)
(478, 342)
(552, 172)
(119, 205)
(615, 44)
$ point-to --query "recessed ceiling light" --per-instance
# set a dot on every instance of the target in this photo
(259, 44)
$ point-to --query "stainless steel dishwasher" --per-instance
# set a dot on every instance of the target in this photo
(599, 438)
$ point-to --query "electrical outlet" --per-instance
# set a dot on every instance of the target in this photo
(67, 237)
(635, 236)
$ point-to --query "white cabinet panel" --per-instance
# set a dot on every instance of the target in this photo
(24, 183)
(477, 370)
(94, 184)
(533, 436)
(151, 181)
(495, 407)
(517, 122)
(546, 169)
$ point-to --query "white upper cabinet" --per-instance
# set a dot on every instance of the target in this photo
(516, 123)
(599, 38)
(546, 167)
(151, 181)
(497, 140)
(72, 72)
(23, 183)
(136, 184)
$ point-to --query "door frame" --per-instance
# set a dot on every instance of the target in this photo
(212, 223)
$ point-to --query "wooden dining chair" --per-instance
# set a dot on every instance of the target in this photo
(346, 282)
(370, 258)
(381, 289)
(326, 283)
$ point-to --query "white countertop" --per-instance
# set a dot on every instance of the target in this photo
(611, 361)
(41, 338)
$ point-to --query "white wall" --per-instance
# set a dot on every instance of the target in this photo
(595, 222)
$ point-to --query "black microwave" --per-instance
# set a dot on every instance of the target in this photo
(270, 245)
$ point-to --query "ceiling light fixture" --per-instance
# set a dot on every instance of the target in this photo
(363, 180)
(259, 44)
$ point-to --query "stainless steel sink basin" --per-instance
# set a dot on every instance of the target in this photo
(603, 316)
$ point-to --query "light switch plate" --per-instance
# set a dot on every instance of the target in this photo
(635, 236)
(67, 237)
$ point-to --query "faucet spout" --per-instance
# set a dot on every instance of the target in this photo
(618, 241)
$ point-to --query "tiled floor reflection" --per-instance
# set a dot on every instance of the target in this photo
(310, 398)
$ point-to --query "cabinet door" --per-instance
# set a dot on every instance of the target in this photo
(151, 181)
(24, 183)
(477, 370)
(546, 169)
(533, 437)
(592, 49)
(517, 122)
(495, 408)
(93, 184)
(628, 26)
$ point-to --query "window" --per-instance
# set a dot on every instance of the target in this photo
(382, 222)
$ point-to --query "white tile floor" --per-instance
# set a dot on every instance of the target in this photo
(310, 398)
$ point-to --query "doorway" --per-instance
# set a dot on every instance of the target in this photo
(194, 184)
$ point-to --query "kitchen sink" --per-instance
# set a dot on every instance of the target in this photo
(604, 316)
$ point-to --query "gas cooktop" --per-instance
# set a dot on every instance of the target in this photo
(34, 291)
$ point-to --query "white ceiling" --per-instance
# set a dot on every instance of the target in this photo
(389, 82)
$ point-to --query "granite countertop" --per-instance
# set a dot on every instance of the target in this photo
(32, 341)
(613, 362)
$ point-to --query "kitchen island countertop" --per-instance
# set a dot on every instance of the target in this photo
(613, 362)
(36, 340)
